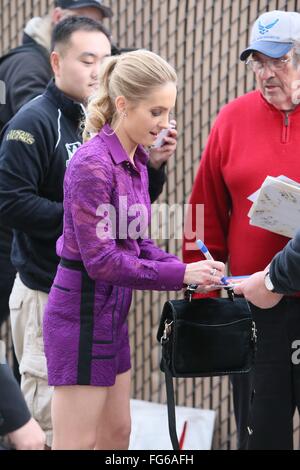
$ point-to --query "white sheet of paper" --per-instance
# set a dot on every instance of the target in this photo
(277, 207)
(253, 197)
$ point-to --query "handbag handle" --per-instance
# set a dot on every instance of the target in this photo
(191, 288)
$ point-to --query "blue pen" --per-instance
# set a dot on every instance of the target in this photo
(203, 248)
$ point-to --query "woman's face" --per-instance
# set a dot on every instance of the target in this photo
(144, 121)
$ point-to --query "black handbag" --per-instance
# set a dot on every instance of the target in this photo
(204, 338)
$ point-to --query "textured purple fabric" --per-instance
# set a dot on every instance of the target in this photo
(100, 174)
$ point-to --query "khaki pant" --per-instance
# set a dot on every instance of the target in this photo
(26, 312)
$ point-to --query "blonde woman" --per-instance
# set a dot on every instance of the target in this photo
(105, 253)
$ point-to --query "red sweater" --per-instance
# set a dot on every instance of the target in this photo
(249, 141)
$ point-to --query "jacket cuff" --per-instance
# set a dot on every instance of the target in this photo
(170, 276)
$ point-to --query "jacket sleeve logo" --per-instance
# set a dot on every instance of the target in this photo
(22, 136)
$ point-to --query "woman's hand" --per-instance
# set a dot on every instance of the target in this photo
(161, 155)
(206, 274)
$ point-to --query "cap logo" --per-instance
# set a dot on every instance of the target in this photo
(264, 29)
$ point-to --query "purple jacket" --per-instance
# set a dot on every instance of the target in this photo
(99, 183)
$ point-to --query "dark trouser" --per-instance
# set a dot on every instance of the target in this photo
(275, 379)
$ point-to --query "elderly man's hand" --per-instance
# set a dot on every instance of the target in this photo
(254, 289)
(160, 155)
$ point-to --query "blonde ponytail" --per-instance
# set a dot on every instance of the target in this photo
(133, 75)
(101, 108)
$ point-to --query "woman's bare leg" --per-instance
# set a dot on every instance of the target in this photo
(76, 413)
(113, 430)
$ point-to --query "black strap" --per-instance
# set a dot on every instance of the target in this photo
(170, 401)
(172, 413)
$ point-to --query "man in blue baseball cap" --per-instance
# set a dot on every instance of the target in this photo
(254, 136)
(268, 424)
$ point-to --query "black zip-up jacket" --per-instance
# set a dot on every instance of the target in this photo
(25, 70)
(35, 148)
(285, 268)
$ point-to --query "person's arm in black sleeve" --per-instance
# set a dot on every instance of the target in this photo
(29, 79)
(24, 161)
(285, 268)
(23, 431)
(13, 409)
(157, 179)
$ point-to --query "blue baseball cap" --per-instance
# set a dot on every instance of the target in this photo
(273, 34)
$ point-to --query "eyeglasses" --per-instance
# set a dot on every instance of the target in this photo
(273, 64)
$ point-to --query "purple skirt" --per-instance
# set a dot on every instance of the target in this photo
(85, 329)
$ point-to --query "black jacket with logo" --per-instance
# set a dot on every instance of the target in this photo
(35, 148)
(25, 72)
(285, 268)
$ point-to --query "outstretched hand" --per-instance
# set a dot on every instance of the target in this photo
(255, 291)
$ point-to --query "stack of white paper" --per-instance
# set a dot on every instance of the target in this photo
(276, 206)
